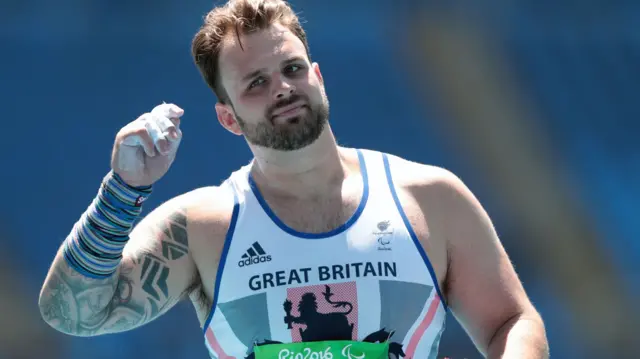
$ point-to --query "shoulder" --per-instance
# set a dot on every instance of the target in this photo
(210, 207)
(421, 177)
(442, 192)
(435, 188)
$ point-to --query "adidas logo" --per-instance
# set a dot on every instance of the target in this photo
(254, 255)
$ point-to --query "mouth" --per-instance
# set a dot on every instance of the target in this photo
(289, 111)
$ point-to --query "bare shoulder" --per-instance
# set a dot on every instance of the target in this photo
(210, 210)
(441, 194)
(200, 215)
(211, 205)
(427, 179)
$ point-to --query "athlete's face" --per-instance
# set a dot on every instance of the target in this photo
(277, 97)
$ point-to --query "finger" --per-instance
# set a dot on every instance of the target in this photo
(147, 144)
(172, 134)
(157, 135)
(168, 127)
(141, 138)
(176, 133)
(168, 110)
(135, 135)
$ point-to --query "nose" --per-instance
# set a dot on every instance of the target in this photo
(282, 88)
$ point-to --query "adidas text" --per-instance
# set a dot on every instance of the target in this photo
(254, 260)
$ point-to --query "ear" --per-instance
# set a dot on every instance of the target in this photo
(227, 118)
(316, 69)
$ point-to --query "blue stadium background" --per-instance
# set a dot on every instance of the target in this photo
(532, 103)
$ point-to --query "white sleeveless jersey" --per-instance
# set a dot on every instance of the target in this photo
(368, 280)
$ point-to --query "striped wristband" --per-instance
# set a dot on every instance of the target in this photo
(94, 246)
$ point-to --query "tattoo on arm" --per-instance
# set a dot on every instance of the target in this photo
(155, 271)
(83, 306)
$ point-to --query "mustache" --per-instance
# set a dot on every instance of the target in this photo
(286, 102)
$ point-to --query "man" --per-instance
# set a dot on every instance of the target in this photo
(311, 250)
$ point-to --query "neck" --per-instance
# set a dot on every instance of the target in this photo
(305, 172)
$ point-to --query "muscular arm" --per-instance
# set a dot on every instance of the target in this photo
(155, 273)
(483, 289)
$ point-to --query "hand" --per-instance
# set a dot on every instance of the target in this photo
(145, 148)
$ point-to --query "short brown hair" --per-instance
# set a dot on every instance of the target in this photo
(238, 17)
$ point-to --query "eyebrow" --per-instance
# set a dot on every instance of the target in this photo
(257, 72)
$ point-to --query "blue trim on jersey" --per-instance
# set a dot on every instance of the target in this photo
(342, 228)
(223, 257)
(405, 219)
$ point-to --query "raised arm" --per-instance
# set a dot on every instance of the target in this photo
(108, 277)
(155, 272)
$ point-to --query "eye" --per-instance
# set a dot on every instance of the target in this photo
(292, 69)
(257, 82)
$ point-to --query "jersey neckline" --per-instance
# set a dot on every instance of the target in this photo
(306, 235)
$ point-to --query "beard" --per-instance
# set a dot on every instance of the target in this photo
(297, 132)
